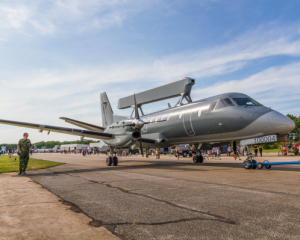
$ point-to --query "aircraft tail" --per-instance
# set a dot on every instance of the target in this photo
(106, 110)
(55, 148)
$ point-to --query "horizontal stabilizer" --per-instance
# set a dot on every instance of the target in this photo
(83, 124)
(71, 131)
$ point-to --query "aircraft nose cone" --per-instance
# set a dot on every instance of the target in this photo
(280, 123)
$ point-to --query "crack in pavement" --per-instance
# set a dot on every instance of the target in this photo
(203, 182)
(112, 226)
(220, 218)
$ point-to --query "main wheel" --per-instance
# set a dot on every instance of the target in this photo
(247, 164)
(108, 161)
(184, 154)
(195, 160)
(260, 165)
(199, 159)
(254, 166)
(115, 161)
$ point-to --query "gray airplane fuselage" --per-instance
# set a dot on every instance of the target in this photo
(202, 122)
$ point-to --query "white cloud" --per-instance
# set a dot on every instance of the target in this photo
(64, 16)
(44, 95)
(276, 86)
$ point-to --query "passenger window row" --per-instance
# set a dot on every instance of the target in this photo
(154, 120)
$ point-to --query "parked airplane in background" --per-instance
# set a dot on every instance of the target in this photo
(46, 149)
(206, 123)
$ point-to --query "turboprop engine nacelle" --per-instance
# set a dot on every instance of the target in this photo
(136, 134)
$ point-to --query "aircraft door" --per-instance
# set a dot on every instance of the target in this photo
(187, 123)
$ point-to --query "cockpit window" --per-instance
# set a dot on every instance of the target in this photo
(246, 102)
(224, 103)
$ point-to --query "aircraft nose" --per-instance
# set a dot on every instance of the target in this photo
(280, 123)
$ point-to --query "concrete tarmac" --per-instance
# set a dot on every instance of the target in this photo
(145, 198)
(28, 211)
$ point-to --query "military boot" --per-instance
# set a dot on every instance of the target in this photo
(20, 172)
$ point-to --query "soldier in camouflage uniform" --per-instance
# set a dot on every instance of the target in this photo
(24, 146)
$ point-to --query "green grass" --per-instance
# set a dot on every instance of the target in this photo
(10, 165)
(271, 150)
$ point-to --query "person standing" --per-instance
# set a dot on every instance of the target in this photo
(24, 146)
(177, 153)
(208, 154)
(229, 150)
(218, 153)
(9, 153)
(242, 150)
(255, 150)
(260, 150)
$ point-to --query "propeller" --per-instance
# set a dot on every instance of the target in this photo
(137, 124)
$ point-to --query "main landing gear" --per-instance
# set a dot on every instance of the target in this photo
(111, 160)
(198, 159)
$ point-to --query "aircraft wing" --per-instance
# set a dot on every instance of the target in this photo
(71, 131)
(83, 124)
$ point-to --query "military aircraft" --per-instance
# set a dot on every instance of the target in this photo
(206, 123)
(47, 149)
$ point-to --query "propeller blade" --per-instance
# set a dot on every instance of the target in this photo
(141, 147)
(135, 108)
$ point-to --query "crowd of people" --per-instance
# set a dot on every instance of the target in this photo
(215, 153)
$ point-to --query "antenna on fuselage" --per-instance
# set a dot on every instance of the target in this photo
(181, 88)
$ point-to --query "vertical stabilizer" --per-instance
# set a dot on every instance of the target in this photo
(106, 110)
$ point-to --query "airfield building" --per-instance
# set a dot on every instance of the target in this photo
(72, 147)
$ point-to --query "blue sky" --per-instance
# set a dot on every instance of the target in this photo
(57, 56)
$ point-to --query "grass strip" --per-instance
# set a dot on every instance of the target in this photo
(12, 164)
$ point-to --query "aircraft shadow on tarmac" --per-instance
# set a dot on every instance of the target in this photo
(159, 165)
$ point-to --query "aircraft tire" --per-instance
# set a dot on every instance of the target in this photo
(247, 166)
(200, 159)
(184, 154)
(260, 165)
(195, 160)
(254, 166)
(115, 161)
(108, 161)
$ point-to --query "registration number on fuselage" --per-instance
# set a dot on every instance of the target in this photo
(265, 139)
